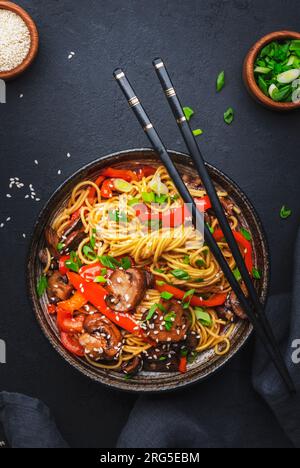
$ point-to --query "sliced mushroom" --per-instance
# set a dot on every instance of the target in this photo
(102, 340)
(75, 226)
(133, 366)
(72, 242)
(228, 205)
(170, 323)
(163, 358)
(192, 341)
(58, 288)
(127, 289)
(52, 241)
(43, 256)
(233, 303)
(225, 313)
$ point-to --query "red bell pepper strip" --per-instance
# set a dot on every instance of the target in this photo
(145, 171)
(72, 344)
(96, 294)
(67, 323)
(74, 303)
(112, 173)
(196, 301)
(107, 188)
(183, 364)
(245, 247)
(62, 264)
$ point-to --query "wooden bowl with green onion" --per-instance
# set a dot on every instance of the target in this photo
(271, 71)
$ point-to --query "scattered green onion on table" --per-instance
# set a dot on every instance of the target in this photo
(277, 69)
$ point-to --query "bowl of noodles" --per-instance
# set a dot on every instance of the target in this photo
(126, 289)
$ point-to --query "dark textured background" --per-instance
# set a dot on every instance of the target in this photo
(75, 106)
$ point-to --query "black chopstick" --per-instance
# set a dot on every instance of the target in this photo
(199, 162)
(197, 217)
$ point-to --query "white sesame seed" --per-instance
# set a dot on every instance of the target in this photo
(68, 155)
(8, 195)
(21, 96)
(24, 235)
(2, 225)
(36, 162)
(59, 172)
(8, 219)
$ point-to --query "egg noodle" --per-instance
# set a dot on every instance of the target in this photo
(117, 230)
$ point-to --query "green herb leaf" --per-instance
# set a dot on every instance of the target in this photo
(188, 295)
(126, 263)
(73, 263)
(163, 358)
(197, 132)
(152, 311)
(60, 246)
(210, 228)
(186, 259)
(229, 116)
(148, 197)
(100, 279)
(166, 295)
(169, 320)
(188, 112)
(256, 273)
(285, 212)
(134, 201)
(200, 263)
(180, 274)
(246, 234)
(237, 274)
(109, 262)
(89, 252)
(221, 81)
(42, 285)
(184, 352)
(203, 317)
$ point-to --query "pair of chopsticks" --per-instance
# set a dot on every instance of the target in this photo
(254, 310)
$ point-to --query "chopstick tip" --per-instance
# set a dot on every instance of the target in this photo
(158, 63)
(118, 73)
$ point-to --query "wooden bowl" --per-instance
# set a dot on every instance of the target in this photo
(206, 363)
(11, 74)
(248, 72)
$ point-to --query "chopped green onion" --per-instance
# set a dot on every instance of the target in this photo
(134, 201)
(148, 197)
(229, 116)
(285, 212)
(237, 274)
(200, 263)
(186, 259)
(42, 285)
(188, 295)
(169, 320)
(126, 263)
(161, 199)
(203, 317)
(188, 112)
(197, 132)
(100, 279)
(117, 216)
(152, 311)
(180, 274)
(221, 81)
(256, 273)
(60, 246)
(109, 262)
(246, 234)
(89, 253)
(166, 295)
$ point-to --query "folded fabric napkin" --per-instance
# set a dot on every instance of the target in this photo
(236, 408)
(27, 423)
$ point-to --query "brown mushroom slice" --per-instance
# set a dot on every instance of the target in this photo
(132, 367)
(52, 241)
(102, 340)
(58, 288)
(228, 205)
(170, 323)
(72, 242)
(225, 313)
(234, 304)
(127, 288)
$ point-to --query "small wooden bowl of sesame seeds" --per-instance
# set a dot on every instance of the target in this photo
(19, 40)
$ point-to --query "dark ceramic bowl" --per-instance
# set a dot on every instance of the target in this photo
(206, 363)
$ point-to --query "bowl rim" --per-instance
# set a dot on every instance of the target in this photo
(248, 71)
(34, 35)
(127, 386)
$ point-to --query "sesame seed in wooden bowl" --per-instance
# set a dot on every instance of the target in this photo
(16, 57)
